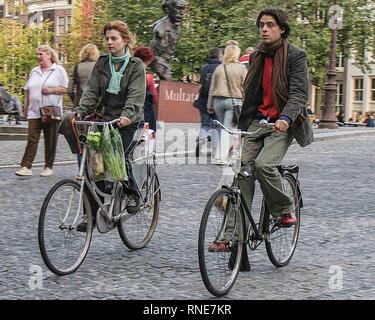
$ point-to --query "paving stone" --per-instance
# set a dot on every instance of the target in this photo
(336, 230)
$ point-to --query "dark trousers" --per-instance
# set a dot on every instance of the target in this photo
(206, 119)
(35, 127)
(127, 136)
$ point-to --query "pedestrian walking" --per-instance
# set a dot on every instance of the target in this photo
(276, 89)
(226, 92)
(215, 59)
(82, 71)
(146, 54)
(46, 85)
(118, 82)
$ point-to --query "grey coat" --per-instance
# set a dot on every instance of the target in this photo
(130, 100)
(295, 108)
(78, 80)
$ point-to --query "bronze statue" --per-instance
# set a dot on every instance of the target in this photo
(166, 34)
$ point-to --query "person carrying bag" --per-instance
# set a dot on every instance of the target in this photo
(226, 92)
(237, 107)
(45, 87)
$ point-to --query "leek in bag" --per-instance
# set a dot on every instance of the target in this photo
(113, 153)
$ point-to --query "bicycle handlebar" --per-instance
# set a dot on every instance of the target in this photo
(96, 122)
(263, 123)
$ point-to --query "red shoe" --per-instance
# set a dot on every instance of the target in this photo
(222, 246)
(288, 219)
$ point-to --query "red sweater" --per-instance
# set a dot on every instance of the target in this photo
(151, 87)
(268, 107)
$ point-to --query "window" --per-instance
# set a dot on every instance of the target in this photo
(60, 49)
(60, 25)
(340, 60)
(339, 95)
(68, 23)
(372, 90)
(358, 89)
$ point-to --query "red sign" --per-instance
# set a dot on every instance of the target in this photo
(176, 102)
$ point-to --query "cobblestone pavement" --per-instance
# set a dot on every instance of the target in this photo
(337, 234)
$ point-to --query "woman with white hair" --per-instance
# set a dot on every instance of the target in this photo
(88, 56)
(226, 91)
(46, 85)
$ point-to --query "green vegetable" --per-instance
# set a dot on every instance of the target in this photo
(94, 140)
(113, 153)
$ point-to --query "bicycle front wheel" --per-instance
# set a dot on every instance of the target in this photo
(281, 242)
(62, 247)
(137, 231)
(220, 243)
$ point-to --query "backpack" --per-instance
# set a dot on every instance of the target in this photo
(206, 83)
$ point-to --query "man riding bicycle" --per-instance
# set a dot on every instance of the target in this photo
(276, 89)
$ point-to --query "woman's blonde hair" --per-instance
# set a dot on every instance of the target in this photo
(89, 52)
(52, 52)
(231, 54)
(125, 33)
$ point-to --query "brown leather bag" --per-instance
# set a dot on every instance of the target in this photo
(50, 114)
(68, 129)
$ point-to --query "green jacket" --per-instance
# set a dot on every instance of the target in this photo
(130, 100)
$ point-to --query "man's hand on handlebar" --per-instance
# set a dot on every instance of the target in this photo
(281, 126)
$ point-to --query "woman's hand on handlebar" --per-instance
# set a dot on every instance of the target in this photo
(123, 122)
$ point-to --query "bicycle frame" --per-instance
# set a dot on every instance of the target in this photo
(258, 231)
(94, 190)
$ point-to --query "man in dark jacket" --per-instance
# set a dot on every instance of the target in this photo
(216, 56)
(276, 89)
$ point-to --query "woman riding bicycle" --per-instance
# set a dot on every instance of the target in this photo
(118, 85)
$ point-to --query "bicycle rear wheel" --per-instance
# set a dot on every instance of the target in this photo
(282, 242)
(137, 231)
(221, 222)
(62, 247)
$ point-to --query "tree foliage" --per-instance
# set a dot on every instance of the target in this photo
(210, 23)
(207, 24)
(18, 51)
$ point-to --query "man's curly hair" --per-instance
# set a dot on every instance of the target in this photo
(279, 15)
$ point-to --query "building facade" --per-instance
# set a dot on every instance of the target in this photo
(59, 12)
(359, 88)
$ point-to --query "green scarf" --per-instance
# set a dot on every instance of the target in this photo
(114, 83)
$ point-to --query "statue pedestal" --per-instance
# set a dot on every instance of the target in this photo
(176, 102)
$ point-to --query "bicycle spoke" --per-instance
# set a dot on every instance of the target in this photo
(63, 248)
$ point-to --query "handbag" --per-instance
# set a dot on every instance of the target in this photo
(236, 107)
(50, 114)
(68, 129)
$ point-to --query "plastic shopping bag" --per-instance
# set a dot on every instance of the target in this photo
(96, 167)
(113, 153)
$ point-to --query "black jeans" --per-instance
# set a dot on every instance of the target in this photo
(127, 135)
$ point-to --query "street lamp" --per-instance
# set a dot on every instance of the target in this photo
(328, 117)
